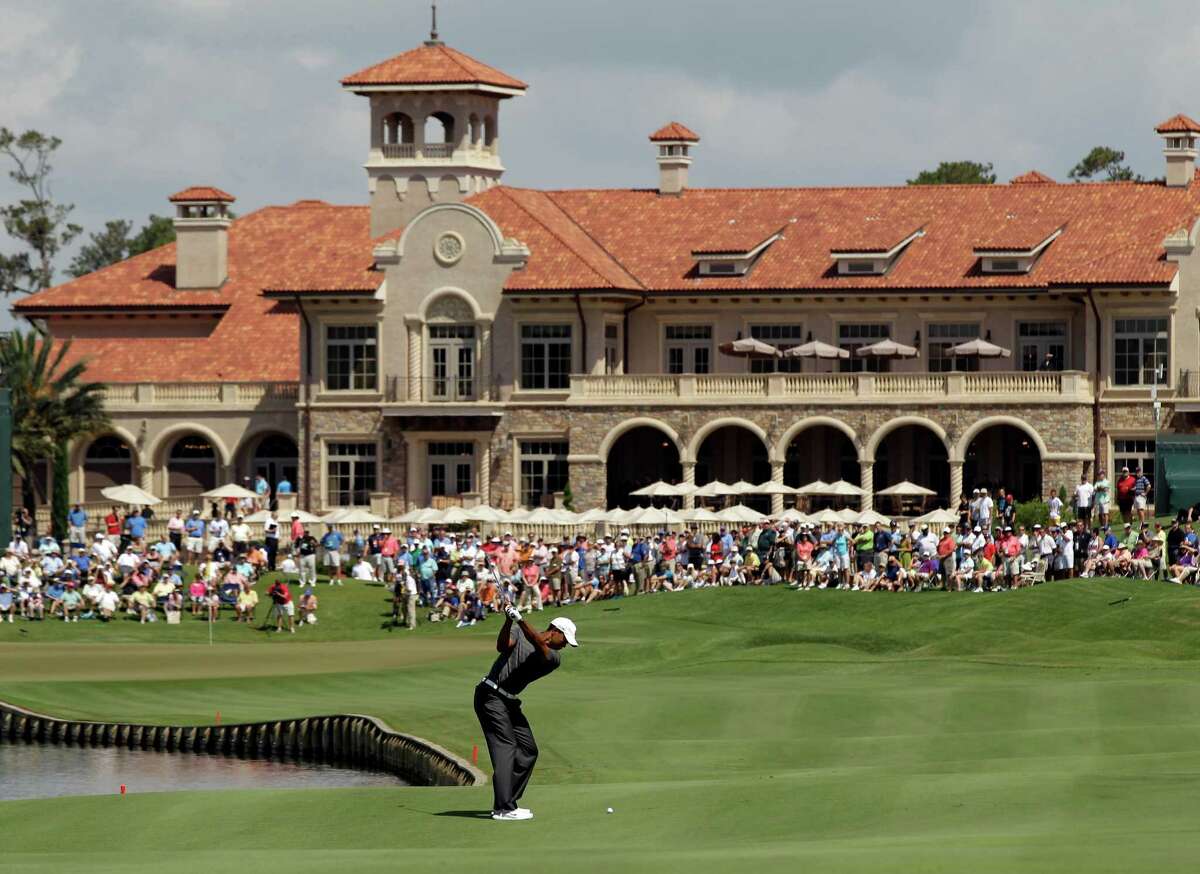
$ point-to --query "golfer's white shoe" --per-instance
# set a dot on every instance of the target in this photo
(512, 815)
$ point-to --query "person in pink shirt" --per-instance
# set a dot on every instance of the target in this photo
(297, 528)
(196, 592)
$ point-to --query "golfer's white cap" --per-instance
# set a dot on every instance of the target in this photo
(567, 627)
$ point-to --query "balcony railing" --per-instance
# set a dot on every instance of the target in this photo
(399, 150)
(834, 387)
(250, 395)
(437, 150)
(1189, 384)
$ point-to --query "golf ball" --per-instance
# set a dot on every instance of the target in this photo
(610, 810)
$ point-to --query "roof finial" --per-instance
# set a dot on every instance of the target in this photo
(433, 32)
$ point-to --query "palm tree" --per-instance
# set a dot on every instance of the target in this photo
(51, 404)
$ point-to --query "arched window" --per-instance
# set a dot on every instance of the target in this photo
(489, 131)
(191, 467)
(275, 459)
(108, 462)
(397, 128)
(439, 135)
(475, 128)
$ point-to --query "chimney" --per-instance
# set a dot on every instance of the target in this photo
(201, 237)
(674, 142)
(1179, 135)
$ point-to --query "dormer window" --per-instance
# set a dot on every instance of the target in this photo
(873, 249)
(734, 249)
(1016, 247)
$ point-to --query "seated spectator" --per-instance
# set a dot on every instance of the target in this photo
(8, 604)
(173, 606)
(308, 607)
(54, 594)
(247, 602)
(363, 570)
(108, 603)
(143, 604)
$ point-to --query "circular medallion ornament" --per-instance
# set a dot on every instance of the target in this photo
(449, 248)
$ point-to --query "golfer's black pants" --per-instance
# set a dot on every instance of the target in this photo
(510, 745)
(272, 544)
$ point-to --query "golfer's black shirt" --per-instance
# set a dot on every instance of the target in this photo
(521, 665)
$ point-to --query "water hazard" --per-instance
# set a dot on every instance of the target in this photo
(47, 771)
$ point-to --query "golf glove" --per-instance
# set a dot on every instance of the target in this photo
(512, 613)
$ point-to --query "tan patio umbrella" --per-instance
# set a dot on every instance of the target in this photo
(712, 489)
(886, 348)
(906, 489)
(748, 347)
(700, 514)
(773, 488)
(980, 348)
(130, 494)
(939, 517)
(261, 516)
(741, 487)
(231, 490)
(848, 515)
(825, 517)
(662, 489)
(740, 513)
(816, 487)
(843, 489)
(870, 517)
(815, 349)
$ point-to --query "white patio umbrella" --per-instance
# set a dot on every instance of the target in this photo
(749, 347)
(980, 348)
(517, 514)
(420, 516)
(454, 516)
(657, 516)
(622, 517)
(740, 513)
(939, 517)
(230, 490)
(549, 516)
(774, 489)
(815, 349)
(712, 489)
(304, 517)
(843, 489)
(906, 489)
(130, 494)
(662, 489)
(870, 517)
(825, 517)
(848, 515)
(700, 514)
(590, 517)
(741, 487)
(353, 516)
(816, 487)
(483, 513)
(886, 348)
(794, 515)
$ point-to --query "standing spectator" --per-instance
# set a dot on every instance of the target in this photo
(1102, 497)
(306, 547)
(332, 544)
(282, 606)
(1142, 488)
(297, 529)
(135, 528)
(271, 539)
(1125, 493)
(1054, 504)
(77, 521)
(239, 532)
(283, 487)
(262, 489)
(1085, 493)
(175, 530)
(218, 528)
(112, 527)
(194, 528)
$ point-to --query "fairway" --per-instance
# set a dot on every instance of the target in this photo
(1037, 730)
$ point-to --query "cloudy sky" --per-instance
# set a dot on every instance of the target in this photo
(151, 95)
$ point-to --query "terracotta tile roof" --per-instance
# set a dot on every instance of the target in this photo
(871, 233)
(433, 65)
(1033, 177)
(1017, 231)
(737, 237)
(1178, 124)
(673, 131)
(202, 192)
(1112, 235)
(255, 338)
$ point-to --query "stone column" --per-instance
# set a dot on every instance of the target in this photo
(146, 475)
(411, 500)
(484, 474)
(956, 482)
(414, 362)
(866, 481)
(776, 477)
(484, 391)
(689, 478)
(588, 482)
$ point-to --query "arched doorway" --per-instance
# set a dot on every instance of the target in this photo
(191, 467)
(732, 453)
(917, 454)
(639, 457)
(276, 458)
(1003, 457)
(820, 452)
(107, 462)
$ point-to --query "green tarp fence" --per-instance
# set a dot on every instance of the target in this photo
(1178, 472)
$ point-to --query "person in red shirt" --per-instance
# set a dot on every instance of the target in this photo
(112, 526)
(947, 553)
(667, 551)
(281, 605)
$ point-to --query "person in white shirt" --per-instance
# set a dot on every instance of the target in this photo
(405, 597)
(108, 603)
(103, 550)
(218, 527)
(363, 570)
(240, 532)
(19, 546)
(1084, 493)
(1054, 504)
(986, 506)
(289, 566)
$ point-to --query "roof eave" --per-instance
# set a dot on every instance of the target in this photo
(469, 87)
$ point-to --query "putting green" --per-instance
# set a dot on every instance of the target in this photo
(1041, 730)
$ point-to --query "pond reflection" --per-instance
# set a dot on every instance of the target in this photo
(46, 771)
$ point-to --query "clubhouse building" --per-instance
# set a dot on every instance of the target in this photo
(455, 340)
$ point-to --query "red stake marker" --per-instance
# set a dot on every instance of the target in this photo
(474, 756)
(218, 717)
(122, 788)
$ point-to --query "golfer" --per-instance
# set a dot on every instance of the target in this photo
(525, 656)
